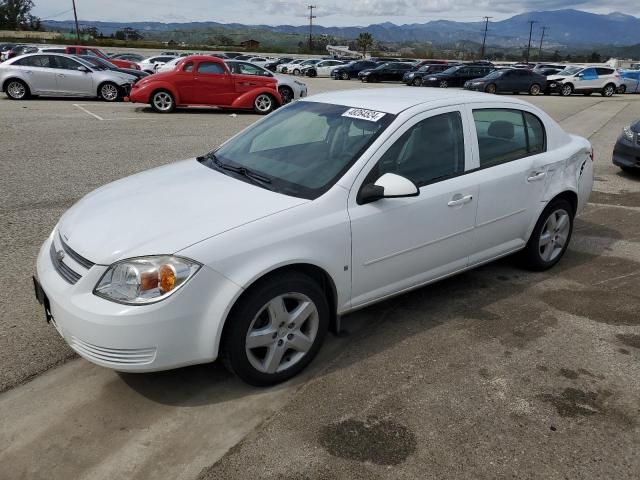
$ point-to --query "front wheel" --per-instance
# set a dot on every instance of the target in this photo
(163, 102)
(263, 104)
(491, 88)
(286, 93)
(566, 90)
(608, 90)
(109, 92)
(417, 82)
(344, 76)
(296, 71)
(550, 237)
(17, 90)
(276, 329)
(534, 89)
(443, 84)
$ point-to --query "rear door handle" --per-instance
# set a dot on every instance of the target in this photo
(536, 176)
(61, 74)
(459, 200)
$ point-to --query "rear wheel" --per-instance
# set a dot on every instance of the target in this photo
(276, 329)
(344, 76)
(535, 89)
(550, 237)
(264, 104)
(608, 90)
(491, 88)
(286, 93)
(566, 90)
(622, 89)
(17, 90)
(109, 92)
(312, 73)
(296, 71)
(163, 102)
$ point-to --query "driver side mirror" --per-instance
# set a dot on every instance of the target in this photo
(580, 75)
(84, 69)
(388, 185)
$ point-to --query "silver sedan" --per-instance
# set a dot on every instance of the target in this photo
(57, 75)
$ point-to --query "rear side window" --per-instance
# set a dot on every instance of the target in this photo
(36, 61)
(210, 67)
(431, 150)
(604, 71)
(506, 135)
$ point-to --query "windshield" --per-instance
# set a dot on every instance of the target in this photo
(496, 73)
(451, 70)
(305, 147)
(569, 71)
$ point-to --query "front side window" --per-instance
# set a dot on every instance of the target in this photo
(66, 63)
(505, 135)
(188, 67)
(305, 147)
(431, 150)
(210, 68)
(247, 69)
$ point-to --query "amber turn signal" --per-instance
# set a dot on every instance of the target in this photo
(167, 278)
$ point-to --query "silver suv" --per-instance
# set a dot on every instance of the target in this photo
(56, 75)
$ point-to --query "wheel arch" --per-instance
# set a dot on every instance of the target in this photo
(570, 195)
(157, 86)
(246, 99)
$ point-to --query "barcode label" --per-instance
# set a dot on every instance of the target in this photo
(363, 114)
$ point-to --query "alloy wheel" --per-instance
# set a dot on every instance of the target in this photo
(608, 91)
(491, 88)
(16, 90)
(344, 76)
(417, 82)
(109, 92)
(263, 103)
(566, 90)
(162, 101)
(282, 332)
(535, 89)
(443, 84)
(554, 235)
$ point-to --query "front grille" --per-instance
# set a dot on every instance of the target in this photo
(63, 269)
(75, 255)
(113, 356)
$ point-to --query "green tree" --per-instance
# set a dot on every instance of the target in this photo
(16, 15)
(595, 57)
(364, 41)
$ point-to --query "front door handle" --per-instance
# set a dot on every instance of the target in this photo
(61, 74)
(536, 176)
(459, 200)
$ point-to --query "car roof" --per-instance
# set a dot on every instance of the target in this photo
(396, 100)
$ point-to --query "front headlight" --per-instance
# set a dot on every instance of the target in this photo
(432, 79)
(144, 280)
(627, 133)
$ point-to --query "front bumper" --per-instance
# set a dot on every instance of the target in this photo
(182, 330)
(553, 87)
(627, 153)
(474, 88)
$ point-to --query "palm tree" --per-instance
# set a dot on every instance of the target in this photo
(364, 40)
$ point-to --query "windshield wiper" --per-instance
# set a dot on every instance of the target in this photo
(244, 171)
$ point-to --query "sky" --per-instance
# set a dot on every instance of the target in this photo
(329, 12)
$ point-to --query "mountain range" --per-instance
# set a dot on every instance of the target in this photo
(569, 28)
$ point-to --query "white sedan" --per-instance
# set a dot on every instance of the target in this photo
(289, 88)
(321, 69)
(150, 64)
(252, 252)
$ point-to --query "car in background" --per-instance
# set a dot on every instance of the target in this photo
(352, 69)
(232, 55)
(456, 76)
(4, 48)
(414, 77)
(296, 69)
(284, 67)
(55, 74)
(630, 81)
(102, 64)
(548, 71)
(79, 50)
(272, 64)
(18, 50)
(131, 57)
(387, 72)
(584, 80)
(626, 153)
(203, 80)
(171, 64)
(511, 80)
(171, 54)
(252, 251)
(321, 69)
(150, 64)
(260, 61)
(289, 88)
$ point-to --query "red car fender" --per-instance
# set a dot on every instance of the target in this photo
(143, 94)
(246, 99)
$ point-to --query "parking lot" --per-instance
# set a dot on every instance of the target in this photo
(494, 373)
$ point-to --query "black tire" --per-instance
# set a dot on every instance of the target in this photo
(622, 89)
(443, 84)
(296, 71)
(264, 104)
(241, 318)
(312, 73)
(566, 90)
(16, 89)
(162, 101)
(491, 88)
(109, 92)
(286, 94)
(608, 90)
(345, 76)
(531, 255)
(417, 82)
(535, 89)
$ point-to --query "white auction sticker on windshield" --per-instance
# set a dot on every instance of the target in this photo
(364, 114)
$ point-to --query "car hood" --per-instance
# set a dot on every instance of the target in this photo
(164, 210)
(556, 78)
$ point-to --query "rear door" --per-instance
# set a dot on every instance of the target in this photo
(213, 84)
(38, 72)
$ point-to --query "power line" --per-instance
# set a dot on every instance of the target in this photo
(531, 22)
(544, 29)
(311, 17)
(484, 39)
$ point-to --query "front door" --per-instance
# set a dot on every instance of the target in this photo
(513, 170)
(213, 84)
(399, 243)
(71, 81)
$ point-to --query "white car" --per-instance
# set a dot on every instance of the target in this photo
(321, 69)
(289, 88)
(260, 61)
(168, 66)
(585, 80)
(298, 68)
(329, 204)
(149, 64)
(284, 67)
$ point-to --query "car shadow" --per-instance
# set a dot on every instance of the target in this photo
(200, 111)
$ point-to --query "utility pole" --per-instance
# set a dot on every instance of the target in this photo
(75, 15)
(531, 22)
(311, 17)
(484, 39)
(544, 29)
